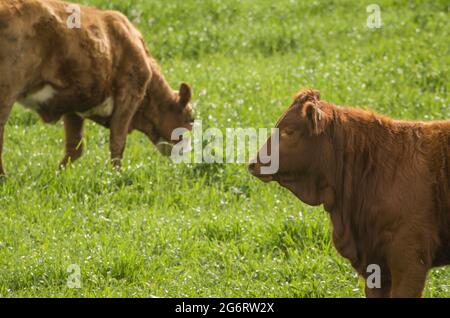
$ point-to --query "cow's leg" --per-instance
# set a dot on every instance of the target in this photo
(73, 126)
(408, 282)
(5, 110)
(409, 267)
(2, 130)
(132, 86)
(124, 111)
(7, 99)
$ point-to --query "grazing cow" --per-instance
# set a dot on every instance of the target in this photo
(100, 71)
(385, 184)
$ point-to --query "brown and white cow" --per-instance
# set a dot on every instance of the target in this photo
(385, 184)
(100, 71)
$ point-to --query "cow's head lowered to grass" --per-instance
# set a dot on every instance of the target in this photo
(102, 71)
(162, 112)
(302, 148)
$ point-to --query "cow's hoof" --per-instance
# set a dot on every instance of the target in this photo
(68, 160)
(64, 163)
(117, 164)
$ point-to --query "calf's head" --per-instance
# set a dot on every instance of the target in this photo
(162, 112)
(303, 147)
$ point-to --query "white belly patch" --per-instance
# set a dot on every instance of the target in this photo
(42, 96)
(105, 109)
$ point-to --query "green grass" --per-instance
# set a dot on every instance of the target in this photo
(159, 229)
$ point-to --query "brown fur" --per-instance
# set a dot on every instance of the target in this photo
(384, 182)
(104, 58)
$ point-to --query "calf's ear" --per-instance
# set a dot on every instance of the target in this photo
(315, 118)
(185, 94)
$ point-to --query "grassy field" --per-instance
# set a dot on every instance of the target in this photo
(165, 230)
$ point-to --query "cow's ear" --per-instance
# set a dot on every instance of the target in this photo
(315, 118)
(307, 95)
(185, 94)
